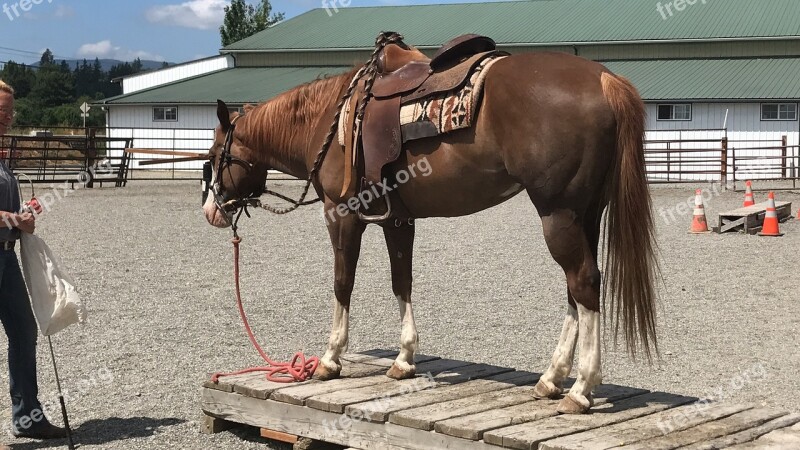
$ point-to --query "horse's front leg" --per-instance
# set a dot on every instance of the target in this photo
(345, 235)
(400, 242)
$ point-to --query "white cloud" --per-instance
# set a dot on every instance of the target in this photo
(105, 49)
(63, 12)
(199, 14)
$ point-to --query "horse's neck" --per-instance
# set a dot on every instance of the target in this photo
(294, 144)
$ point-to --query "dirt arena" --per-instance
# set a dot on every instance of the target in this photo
(158, 284)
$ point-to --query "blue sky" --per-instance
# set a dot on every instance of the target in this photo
(164, 30)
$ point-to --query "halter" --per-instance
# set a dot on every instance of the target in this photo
(226, 158)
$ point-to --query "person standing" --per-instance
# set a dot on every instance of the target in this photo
(28, 418)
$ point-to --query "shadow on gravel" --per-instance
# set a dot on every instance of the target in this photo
(98, 432)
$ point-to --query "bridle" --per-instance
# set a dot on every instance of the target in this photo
(226, 158)
(233, 209)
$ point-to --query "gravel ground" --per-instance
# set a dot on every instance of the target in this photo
(157, 282)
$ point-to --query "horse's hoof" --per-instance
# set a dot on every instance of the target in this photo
(401, 374)
(545, 390)
(569, 405)
(323, 373)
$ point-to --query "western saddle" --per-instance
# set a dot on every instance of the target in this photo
(404, 75)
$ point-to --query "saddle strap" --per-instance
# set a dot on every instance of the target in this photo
(351, 134)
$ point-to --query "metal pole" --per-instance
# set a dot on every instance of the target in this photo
(61, 396)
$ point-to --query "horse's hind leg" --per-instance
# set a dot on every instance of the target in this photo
(345, 233)
(573, 244)
(550, 384)
(400, 243)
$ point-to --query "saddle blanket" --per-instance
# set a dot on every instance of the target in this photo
(437, 114)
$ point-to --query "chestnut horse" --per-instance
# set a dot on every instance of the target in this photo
(561, 128)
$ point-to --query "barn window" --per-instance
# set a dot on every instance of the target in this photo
(779, 111)
(165, 114)
(676, 111)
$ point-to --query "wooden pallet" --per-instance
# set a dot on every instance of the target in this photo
(750, 219)
(460, 405)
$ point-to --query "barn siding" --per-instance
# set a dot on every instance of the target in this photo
(192, 132)
(744, 124)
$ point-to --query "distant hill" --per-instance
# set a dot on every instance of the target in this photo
(107, 63)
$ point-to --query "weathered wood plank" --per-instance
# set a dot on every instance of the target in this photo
(372, 357)
(325, 426)
(379, 411)
(259, 387)
(425, 417)
(256, 385)
(755, 209)
(474, 425)
(383, 358)
(299, 395)
(783, 439)
(529, 435)
(643, 428)
(438, 373)
(226, 384)
(357, 367)
(709, 430)
(746, 435)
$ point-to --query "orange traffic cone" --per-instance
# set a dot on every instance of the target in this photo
(699, 224)
(771, 227)
(748, 194)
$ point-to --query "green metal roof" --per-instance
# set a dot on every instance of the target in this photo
(722, 79)
(239, 85)
(536, 21)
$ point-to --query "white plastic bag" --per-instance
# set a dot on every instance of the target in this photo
(55, 301)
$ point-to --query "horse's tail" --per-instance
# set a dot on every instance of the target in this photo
(630, 264)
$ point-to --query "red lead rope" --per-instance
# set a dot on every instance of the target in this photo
(299, 368)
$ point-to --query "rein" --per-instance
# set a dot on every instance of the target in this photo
(299, 368)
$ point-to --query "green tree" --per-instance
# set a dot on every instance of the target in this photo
(20, 77)
(263, 17)
(53, 87)
(47, 59)
(243, 20)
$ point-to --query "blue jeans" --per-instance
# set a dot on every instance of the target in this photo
(21, 329)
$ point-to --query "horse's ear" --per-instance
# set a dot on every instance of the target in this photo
(223, 115)
(248, 107)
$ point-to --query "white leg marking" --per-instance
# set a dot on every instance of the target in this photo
(561, 365)
(337, 343)
(408, 336)
(589, 369)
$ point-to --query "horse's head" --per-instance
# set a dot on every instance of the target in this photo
(237, 171)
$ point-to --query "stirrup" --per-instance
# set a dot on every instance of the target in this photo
(376, 218)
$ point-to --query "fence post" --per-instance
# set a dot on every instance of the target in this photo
(91, 155)
(783, 156)
(723, 164)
